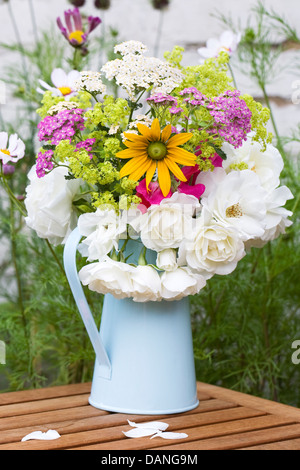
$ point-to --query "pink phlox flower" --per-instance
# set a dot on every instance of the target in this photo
(151, 196)
(189, 187)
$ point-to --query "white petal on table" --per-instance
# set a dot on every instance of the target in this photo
(170, 435)
(42, 436)
(139, 432)
(156, 425)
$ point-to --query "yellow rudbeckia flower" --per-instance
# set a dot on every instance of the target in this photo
(155, 149)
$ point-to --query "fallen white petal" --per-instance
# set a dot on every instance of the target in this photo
(42, 436)
(139, 432)
(170, 435)
(156, 425)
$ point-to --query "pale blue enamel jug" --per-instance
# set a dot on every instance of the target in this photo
(144, 351)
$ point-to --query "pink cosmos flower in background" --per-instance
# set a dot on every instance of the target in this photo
(12, 149)
(74, 31)
(63, 83)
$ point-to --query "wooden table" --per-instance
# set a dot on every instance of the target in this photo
(223, 420)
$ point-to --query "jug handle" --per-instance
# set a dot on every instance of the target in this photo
(83, 307)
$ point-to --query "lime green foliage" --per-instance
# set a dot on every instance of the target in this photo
(112, 112)
(259, 120)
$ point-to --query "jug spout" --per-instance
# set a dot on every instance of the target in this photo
(83, 307)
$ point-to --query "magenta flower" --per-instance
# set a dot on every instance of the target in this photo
(61, 126)
(86, 145)
(44, 163)
(153, 195)
(74, 31)
(232, 117)
(191, 173)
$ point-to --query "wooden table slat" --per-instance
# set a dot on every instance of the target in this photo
(194, 433)
(120, 420)
(224, 419)
(241, 440)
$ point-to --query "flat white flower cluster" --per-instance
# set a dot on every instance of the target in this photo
(130, 47)
(136, 72)
(90, 81)
(61, 106)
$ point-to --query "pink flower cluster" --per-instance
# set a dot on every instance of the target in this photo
(86, 145)
(159, 99)
(232, 117)
(62, 126)
(44, 162)
(196, 98)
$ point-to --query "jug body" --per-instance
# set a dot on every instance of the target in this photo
(150, 349)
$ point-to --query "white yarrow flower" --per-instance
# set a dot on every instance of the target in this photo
(130, 47)
(91, 82)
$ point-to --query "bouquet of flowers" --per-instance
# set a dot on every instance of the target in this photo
(180, 162)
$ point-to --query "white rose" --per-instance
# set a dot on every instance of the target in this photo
(236, 200)
(276, 217)
(108, 277)
(102, 229)
(142, 283)
(267, 164)
(215, 249)
(166, 260)
(49, 204)
(146, 284)
(165, 225)
(180, 283)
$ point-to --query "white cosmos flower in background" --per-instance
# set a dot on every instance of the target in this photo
(228, 42)
(12, 149)
(49, 204)
(63, 83)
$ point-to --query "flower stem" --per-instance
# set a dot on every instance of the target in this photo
(158, 33)
(232, 75)
(19, 283)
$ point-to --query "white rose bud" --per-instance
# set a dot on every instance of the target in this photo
(166, 260)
